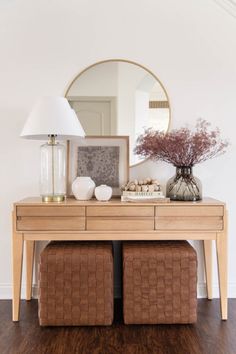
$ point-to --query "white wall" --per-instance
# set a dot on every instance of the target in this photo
(190, 45)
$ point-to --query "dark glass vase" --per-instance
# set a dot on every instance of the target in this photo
(184, 186)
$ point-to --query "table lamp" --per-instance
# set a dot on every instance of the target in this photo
(52, 118)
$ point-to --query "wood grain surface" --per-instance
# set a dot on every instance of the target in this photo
(208, 336)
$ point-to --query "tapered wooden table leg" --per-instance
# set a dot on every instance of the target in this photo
(221, 248)
(207, 245)
(29, 248)
(17, 253)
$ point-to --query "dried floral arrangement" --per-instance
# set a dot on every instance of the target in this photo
(182, 147)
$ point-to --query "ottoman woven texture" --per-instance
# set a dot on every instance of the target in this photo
(159, 282)
(76, 284)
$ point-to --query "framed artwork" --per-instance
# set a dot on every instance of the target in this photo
(103, 158)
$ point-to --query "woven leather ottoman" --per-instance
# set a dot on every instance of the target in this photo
(76, 284)
(159, 282)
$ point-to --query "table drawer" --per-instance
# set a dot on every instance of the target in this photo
(119, 224)
(120, 211)
(194, 210)
(43, 223)
(189, 223)
(50, 210)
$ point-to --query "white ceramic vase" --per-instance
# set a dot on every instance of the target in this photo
(83, 188)
(103, 193)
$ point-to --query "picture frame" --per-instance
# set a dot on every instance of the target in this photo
(103, 158)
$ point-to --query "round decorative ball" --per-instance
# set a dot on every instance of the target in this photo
(83, 188)
(103, 193)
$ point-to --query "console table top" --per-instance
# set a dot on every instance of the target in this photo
(115, 201)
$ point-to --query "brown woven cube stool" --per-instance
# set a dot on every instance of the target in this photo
(159, 282)
(76, 284)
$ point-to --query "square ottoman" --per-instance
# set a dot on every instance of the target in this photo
(76, 284)
(159, 282)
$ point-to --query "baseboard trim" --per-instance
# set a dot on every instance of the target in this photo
(6, 291)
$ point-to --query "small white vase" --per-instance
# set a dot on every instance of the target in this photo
(103, 193)
(83, 188)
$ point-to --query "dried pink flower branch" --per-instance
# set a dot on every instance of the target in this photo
(182, 147)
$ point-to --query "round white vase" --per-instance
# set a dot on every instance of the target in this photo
(103, 193)
(83, 188)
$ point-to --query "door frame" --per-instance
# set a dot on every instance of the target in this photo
(113, 104)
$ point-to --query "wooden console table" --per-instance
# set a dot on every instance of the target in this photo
(114, 220)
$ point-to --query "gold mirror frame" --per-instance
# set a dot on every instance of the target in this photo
(129, 62)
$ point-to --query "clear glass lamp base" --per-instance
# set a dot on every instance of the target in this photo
(53, 171)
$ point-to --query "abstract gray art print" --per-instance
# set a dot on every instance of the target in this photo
(101, 163)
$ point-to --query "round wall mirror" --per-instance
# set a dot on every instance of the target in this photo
(119, 97)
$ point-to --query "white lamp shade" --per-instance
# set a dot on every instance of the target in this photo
(52, 116)
(82, 132)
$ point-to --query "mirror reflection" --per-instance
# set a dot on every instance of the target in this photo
(118, 97)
